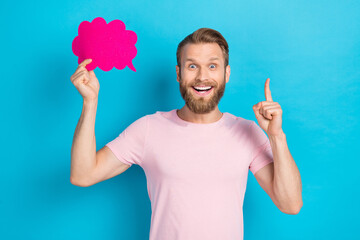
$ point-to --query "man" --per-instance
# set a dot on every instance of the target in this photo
(196, 159)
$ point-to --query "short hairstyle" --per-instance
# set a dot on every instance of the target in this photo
(204, 35)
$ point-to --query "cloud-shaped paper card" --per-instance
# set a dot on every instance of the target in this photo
(108, 45)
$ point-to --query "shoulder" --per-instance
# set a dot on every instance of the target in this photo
(240, 122)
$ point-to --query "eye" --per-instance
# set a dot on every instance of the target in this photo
(213, 65)
(191, 65)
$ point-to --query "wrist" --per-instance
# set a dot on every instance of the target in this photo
(90, 101)
(280, 136)
(89, 105)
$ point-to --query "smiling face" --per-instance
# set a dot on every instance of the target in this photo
(202, 65)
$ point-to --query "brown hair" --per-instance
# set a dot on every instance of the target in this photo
(204, 35)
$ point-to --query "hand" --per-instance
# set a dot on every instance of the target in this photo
(269, 113)
(86, 82)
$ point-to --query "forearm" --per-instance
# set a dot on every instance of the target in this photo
(83, 150)
(287, 181)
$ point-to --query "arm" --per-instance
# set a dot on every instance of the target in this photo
(89, 167)
(83, 150)
(281, 179)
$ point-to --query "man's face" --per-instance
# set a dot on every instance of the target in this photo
(202, 65)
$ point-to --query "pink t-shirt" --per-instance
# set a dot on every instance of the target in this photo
(196, 173)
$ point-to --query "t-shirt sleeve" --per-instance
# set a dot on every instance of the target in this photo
(128, 147)
(262, 153)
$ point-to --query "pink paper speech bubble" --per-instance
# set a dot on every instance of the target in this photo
(108, 45)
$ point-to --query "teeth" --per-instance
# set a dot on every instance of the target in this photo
(202, 88)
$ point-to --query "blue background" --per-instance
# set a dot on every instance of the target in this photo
(309, 49)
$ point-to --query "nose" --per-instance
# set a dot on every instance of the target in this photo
(202, 74)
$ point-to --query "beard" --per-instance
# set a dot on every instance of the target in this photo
(198, 104)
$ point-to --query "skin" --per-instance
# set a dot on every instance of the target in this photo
(201, 70)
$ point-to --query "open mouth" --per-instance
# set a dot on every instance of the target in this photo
(203, 91)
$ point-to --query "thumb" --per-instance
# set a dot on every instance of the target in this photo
(256, 108)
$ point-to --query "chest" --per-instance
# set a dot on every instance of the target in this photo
(201, 157)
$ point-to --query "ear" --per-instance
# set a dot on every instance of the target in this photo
(227, 73)
(177, 73)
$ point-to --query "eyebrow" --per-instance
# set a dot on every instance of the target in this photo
(192, 60)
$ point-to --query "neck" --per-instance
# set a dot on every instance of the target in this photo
(186, 114)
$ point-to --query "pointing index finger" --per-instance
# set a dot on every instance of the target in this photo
(267, 90)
